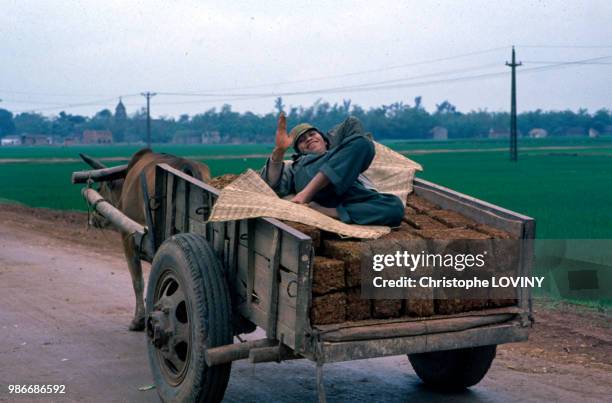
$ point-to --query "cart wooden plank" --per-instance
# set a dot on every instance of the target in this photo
(269, 267)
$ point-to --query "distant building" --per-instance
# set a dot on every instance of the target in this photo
(575, 131)
(10, 141)
(502, 134)
(593, 133)
(213, 137)
(187, 137)
(498, 134)
(55, 139)
(439, 133)
(97, 137)
(133, 137)
(70, 141)
(35, 140)
(538, 133)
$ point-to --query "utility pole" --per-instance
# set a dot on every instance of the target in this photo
(513, 140)
(148, 96)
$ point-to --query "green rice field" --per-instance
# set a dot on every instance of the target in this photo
(34, 152)
(565, 184)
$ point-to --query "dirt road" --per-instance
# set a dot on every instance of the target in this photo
(65, 307)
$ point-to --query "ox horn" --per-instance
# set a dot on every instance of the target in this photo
(92, 162)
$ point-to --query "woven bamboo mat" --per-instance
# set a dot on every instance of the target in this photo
(249, 196)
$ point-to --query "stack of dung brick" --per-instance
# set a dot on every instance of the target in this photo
(459, 227)
(328, 285)
(337, 269)
(336, 283)
(222, 181)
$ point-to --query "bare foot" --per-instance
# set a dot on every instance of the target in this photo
(328, 211)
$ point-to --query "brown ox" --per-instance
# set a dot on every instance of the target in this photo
(126, 195)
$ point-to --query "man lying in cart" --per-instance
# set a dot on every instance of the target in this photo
(326, 172)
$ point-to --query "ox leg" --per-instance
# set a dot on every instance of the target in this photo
(133, 261)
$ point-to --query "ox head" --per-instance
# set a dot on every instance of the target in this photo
(109, 190)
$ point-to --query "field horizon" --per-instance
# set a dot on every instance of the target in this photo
(558, 181)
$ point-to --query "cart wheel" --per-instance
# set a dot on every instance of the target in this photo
(453, 369)
(188, 310)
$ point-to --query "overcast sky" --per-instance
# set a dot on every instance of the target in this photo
(59, 53)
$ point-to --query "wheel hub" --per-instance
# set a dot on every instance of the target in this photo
(168, 329)
(159, 329)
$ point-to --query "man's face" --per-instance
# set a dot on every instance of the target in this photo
(312, 143)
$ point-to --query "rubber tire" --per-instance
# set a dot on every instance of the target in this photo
(193, 261)
(453, 370)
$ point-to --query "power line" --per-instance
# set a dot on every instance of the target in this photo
(70, 106)
(351, 86)
(248, 96)
(361, 72)
(447, 80)
(375, 85)
(210, 101)
(568, 63)
(557, 61)
(204, 93)
(399, 80)
(406, 85)
(19, 101)
(361, 87)
(48, 94)
(339, 89)
(566, 46)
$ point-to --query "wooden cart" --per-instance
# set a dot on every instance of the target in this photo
(212, 281)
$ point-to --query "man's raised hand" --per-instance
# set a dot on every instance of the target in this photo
(283, 140)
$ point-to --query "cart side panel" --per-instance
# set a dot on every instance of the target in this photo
(181, 207)
(527, 260)
(380, 347)
(267, 263)
(159, 205)
(521, 226)
(471, 207)
(263, 235)
(182, 204)
(277, 311)
(197, 199)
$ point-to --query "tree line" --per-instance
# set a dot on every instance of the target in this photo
(394, 121)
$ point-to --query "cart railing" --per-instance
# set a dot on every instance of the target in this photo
(268, 268)
(519, 225)
(267, 263)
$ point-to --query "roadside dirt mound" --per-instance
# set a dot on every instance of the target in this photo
(564, 334)
(68, 226)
